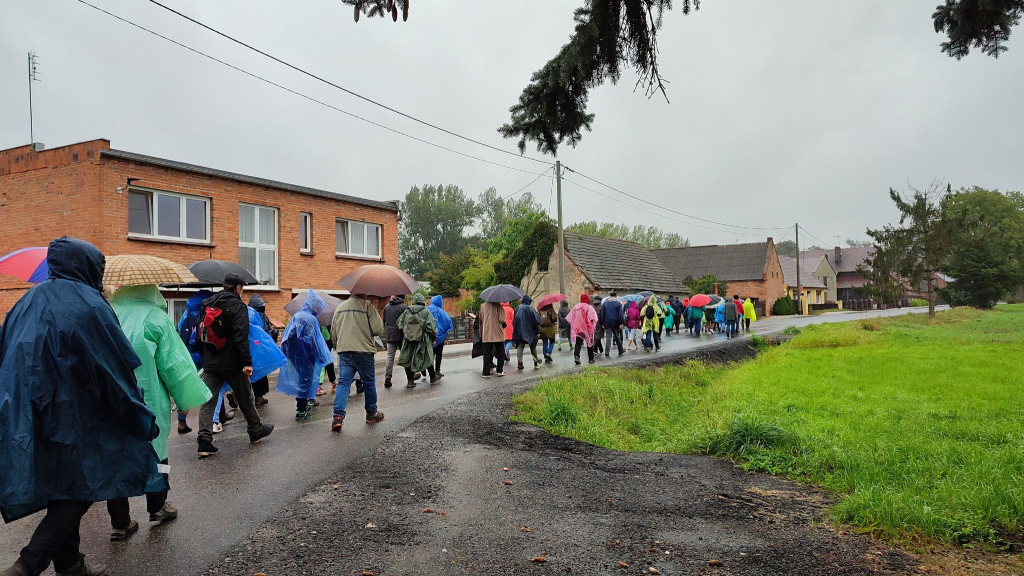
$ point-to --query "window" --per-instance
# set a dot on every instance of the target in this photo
(353, 238)
(168, 216)
(175, 309)
(257, 242)
(305, 232)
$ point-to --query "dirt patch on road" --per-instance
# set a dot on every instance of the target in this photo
(464, 490)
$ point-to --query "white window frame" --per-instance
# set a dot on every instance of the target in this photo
(258, 246)
(306, 223)
(366, 225)
(155, 215)
(170, 308)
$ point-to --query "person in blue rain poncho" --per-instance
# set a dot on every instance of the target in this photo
(266, 356)
(186, 331)
(73, 427)
(307, 353)
(444, 326)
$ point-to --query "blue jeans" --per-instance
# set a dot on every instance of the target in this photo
(549, 347)
(220, 402)
(730, 327)
(348, 364)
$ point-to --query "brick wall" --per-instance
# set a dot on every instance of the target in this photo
(73, 190)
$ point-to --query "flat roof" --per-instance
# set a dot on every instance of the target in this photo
(391, 205)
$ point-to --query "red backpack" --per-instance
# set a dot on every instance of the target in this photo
(212, 330)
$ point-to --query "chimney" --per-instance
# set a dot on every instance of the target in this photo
(839, 255)
(38, 146)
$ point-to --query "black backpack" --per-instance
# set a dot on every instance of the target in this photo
(650, 312)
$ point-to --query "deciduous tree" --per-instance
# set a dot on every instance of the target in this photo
(433, 222)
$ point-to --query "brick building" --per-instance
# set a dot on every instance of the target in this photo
(290, 237)
(750, 270)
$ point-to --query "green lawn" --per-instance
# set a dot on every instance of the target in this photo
(917, 423)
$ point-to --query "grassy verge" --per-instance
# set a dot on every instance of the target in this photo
(917, 423)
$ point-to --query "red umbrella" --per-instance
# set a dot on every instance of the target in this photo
(28, 264)
(698, 300)
(378, 280)
(550, 299)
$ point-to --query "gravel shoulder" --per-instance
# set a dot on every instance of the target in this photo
(464, 490)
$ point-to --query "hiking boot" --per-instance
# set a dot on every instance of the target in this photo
(119, 534)
(206, 448)
(165, 514)
(263, 433)
(377, 416)
(520, 366)
(183, 427)
(301, 415)
(16, 569)
(80, 569)
(218, 427)
(261, 400)
(536, 362)
(387, 383)
(337, 423)
(435, 378)
(416, 376)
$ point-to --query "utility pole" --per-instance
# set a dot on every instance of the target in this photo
(799, 287)
(561, 231)
(33, 76)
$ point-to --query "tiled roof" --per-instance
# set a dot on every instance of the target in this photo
(391, 205)
(729, 263)
(849, 258)
(620, 265)
(807, 268)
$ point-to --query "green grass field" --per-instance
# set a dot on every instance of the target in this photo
(918, 424)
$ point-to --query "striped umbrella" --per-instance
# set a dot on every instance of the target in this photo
(28, 264)
(137, 269)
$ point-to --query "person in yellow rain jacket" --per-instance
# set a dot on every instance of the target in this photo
(749, 315)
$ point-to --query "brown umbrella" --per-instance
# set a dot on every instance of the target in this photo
(137, 269)
(378, 280)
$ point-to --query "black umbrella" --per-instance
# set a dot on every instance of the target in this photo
(502, 293)
(212, 272)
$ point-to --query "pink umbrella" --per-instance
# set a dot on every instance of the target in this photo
(550, 299)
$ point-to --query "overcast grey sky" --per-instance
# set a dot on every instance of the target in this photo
(781, 112)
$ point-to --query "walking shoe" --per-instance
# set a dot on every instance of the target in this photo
(206, 448)
(520, 366)
(410, 384)
(261, 400)
(230, 397)
(440, 374)
(486, 375)
(320, 391)
(435, 378)
(16, 569)
(359, 388)
(118, 534)
(183, 427)
(334, 386)
(499, 373)
(536, 362)
(263, 433)
(377, 416)
(218, 427)
(165, 514)
(577, 360)
(80, 569)
(337, 423)
(548, 358)
(416, 376)
(387, 382)
(591, 361)
(301, 415)
(313, 403)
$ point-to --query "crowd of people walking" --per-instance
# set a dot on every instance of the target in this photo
(84, 380)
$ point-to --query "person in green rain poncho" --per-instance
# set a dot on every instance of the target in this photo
(167, 372)
(419, 330)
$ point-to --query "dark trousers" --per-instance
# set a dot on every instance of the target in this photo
(261, 387)
(120, 513)
(239, 384)
(613, 335)
(56, 538)
(494, 350)
(436, 368)
(746, 322)
(331, 376)
(580, 342)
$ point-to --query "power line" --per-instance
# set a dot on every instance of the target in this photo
(642, 209)
(342, 88)
(310, 98)
(670, 209)
(539, 176)
(824, 244)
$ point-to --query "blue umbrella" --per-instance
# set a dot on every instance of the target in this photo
(632, 298)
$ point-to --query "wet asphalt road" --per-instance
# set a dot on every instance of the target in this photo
(224, 498)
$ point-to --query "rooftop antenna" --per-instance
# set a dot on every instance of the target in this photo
(33, 76)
